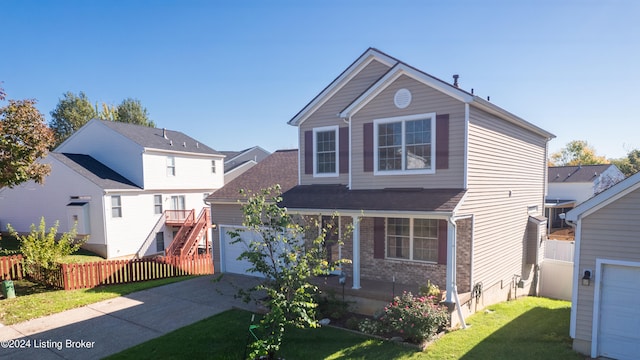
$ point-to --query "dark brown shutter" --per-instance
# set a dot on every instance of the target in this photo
(442, 141)
(344, 149)
(308, 152)
(442, 242)
(367, 152)
(378, 238)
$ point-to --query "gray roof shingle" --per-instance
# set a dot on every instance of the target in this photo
(154, 138)
(582, 173)
(339, 197)
(95, 171)
(281, 167)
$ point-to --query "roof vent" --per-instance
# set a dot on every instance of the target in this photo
(164, 133)
(197, 145)
(170, 142)
(184, 144)
(455, 80)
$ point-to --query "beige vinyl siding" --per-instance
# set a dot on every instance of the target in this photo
(223, 214)
(506, 174)
(611, 232)
(424, 100)
(327, 115)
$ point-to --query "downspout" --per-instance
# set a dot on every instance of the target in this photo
(576, 270)
(452, 288)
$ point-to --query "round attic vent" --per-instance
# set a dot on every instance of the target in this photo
(402, 99)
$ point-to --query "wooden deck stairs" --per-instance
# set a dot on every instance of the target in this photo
(191, 231)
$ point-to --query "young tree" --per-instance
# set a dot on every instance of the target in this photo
(577, 152)
(287, 261)
(131, 111)
(629, 165)
(24, 138)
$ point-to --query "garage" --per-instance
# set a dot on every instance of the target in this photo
(619, 317)
(231, 251)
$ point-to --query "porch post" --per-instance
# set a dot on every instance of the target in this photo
(451, 260)
(356, 252)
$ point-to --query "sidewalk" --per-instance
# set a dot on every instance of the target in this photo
(108, 327)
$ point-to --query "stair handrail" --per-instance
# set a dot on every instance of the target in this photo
(152, 235)
(182, 232)
(194, 236)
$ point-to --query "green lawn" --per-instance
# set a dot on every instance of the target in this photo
(529, 328)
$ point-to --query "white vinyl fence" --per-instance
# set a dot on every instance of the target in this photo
(556, 270)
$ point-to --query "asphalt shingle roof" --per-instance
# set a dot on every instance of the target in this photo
(281, 167)
(583, 173)
(339, 197)
(95, 171)
(154, 138)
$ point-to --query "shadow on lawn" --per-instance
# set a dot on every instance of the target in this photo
(540, 333)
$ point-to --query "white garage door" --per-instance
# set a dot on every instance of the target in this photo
(619, 323)
(230, 252)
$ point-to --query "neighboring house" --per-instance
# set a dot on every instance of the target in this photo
(606, 279)
(569, 186)
(438, 184)
(279, 168)
(134, 190)
(237, 162)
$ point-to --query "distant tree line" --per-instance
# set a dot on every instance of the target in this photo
(25, 137)
(73, 111)
(579, 152)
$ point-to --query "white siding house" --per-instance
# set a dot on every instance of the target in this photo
(127, 186)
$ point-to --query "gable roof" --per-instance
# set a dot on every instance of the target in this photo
(398, 68)
(231, 160)
(160, 139)
(605, 198)
(339, 197)
(360, 63)
(95, 171)
(281, 167)
(576, 174)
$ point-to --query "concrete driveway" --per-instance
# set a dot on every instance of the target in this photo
(108, 327)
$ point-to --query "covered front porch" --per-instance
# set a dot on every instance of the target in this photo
(385, 257)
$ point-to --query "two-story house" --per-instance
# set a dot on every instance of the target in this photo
(134, 190)
(569, 186)
(436, 183)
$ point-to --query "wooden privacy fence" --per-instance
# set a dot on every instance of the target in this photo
(92, 274)
(89, 275)
(11, 267)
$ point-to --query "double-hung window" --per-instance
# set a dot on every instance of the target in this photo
(412, 239)
(325, 151)
(157, 204)
(405, 144)
(171, 166)
(213, 166)
(116, 206)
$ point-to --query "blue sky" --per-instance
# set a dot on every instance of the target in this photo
(232, 73)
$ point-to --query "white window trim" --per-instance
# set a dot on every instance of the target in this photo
(411, 238)
(119, 206)
(335, 129)
(404, 119)
(155, 196)
(171, 165)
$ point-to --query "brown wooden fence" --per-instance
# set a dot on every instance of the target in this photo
(90, 275)
(11, 267)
